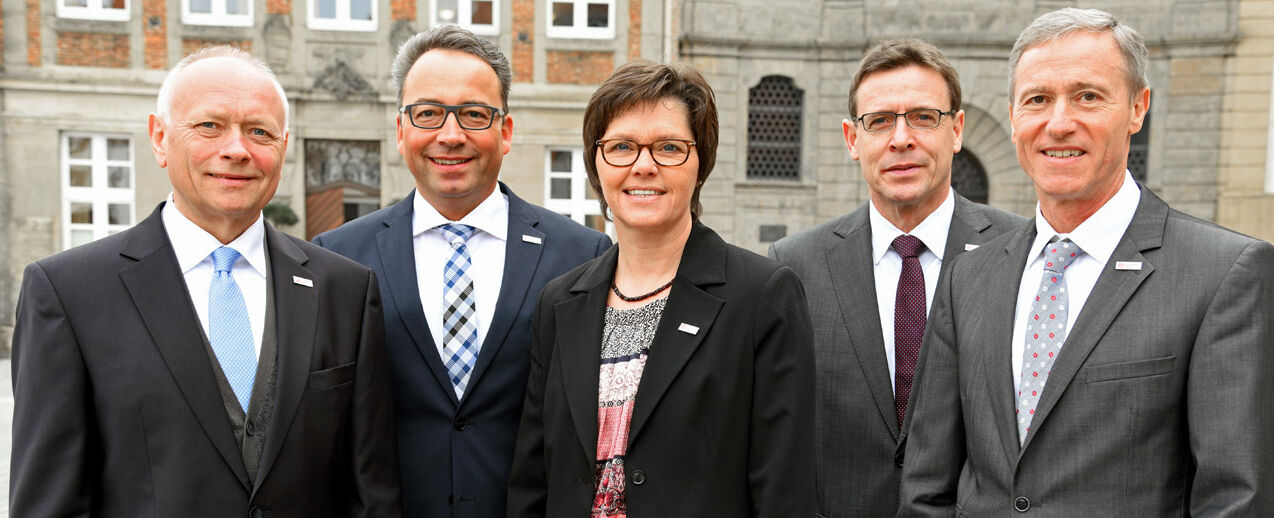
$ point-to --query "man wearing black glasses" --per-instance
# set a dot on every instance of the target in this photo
(874, 270)
(461, 262)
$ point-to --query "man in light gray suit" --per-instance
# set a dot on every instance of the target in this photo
(1113, 357)
(868, 301)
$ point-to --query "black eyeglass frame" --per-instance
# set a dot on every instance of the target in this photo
(863, 125)
(451, 109)
(601, 148)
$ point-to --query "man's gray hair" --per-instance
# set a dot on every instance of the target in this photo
(451, 37)
(1052, 26)
(164, 106)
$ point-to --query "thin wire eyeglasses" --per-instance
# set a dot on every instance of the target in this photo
(927, 118)
(434, 115)
(665, 152)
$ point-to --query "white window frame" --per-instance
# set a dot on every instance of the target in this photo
(579, 205)
(218, 16)
(342, 22)
(96, 10)
(580, 30)
(464, 16)
(99, 194)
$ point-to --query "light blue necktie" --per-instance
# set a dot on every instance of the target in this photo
(459, 324)
(229, 329)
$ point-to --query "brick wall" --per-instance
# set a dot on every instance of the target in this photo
(155, 34)
(278, 6)
(87, 49)
(634, 29)
(579, 67)
(190, 45)
(33, 33)
(402, 10)
(523, 41)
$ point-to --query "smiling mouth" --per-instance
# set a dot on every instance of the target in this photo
(230, 177)
(1064, 153)
(445, 161)
(642, 192)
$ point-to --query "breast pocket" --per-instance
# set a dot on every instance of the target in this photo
(328, 378)
(1129, 370)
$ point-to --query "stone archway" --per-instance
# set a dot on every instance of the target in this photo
(987, 141)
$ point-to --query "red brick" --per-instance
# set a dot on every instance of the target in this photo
(278, 6)
(634, 29)
(33, 33)
(579, 67)
(402, 10)
(524, 41)
(190, 45)
(89, 49)
(155, 39)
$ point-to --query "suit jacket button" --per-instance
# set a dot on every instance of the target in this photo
(898, 458)
(460, 424)
(1021, 504)
(256, 512)
(250, 428)
(639, 477)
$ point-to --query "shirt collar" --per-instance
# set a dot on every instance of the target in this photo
(193, 245)
(1098, 235)
(932, 231)
(490, 216)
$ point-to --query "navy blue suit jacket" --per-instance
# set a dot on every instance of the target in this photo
(455, 456)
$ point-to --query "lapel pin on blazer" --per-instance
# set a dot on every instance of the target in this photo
(302, 281)
(1127, 265)
(969, 246)
(532, 239)
(688, 329)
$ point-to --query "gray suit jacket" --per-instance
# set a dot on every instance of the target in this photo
(858, 440)
(1158, 405)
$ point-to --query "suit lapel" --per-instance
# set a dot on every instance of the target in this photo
(158, 289)
(521, 259)
(702, 265)
(398, 259)
(579, 328)
(1110, 293)
(996, 362)
(850, 267)
(296, 313)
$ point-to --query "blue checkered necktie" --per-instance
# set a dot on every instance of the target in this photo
(229, 329)
(460, 328)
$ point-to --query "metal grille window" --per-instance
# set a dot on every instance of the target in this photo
(1139, 150)
(774, 129)
(968, 178)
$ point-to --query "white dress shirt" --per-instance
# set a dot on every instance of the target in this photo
(888, 264)
(1097, 236)
(194, 246)
(486, 249)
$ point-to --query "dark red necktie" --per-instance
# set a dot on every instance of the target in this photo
(909, 319)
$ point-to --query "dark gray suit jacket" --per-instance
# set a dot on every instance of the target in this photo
(117, 411)
(859, 442)
(1158, 405)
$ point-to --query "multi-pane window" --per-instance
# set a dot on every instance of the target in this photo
(217, 12)
(774, 129)
(581, 18)
(1139, 150)
(342, 15)
(115, 10)
(567, 191)
(478, 16)
(97, 186)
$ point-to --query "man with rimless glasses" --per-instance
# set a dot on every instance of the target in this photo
(870, 275)
(461, 262)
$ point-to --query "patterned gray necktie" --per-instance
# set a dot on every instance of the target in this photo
(1045, 330)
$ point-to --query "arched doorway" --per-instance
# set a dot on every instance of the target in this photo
(968, 177)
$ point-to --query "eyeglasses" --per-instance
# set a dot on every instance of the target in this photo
(434, 115)
(667, 152)
(927, 118)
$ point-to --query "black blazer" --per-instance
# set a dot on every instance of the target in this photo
(117, 411)
(455, 455)
(723, 422)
